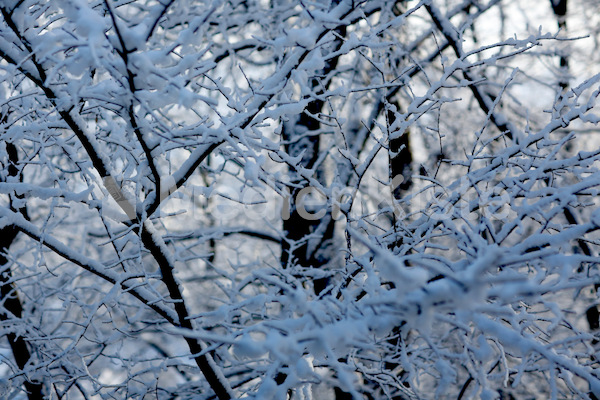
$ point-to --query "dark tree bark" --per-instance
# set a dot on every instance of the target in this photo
(560, 10)
(12, 308)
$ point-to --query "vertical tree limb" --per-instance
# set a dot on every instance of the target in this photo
(12, 308)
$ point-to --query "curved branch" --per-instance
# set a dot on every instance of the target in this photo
(124, 53)
(484, 100)
(154, 243)
(88, 264)
(157, 19)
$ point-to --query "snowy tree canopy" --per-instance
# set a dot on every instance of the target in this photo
(271, 199)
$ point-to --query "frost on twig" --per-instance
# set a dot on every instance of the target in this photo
(305, 200)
